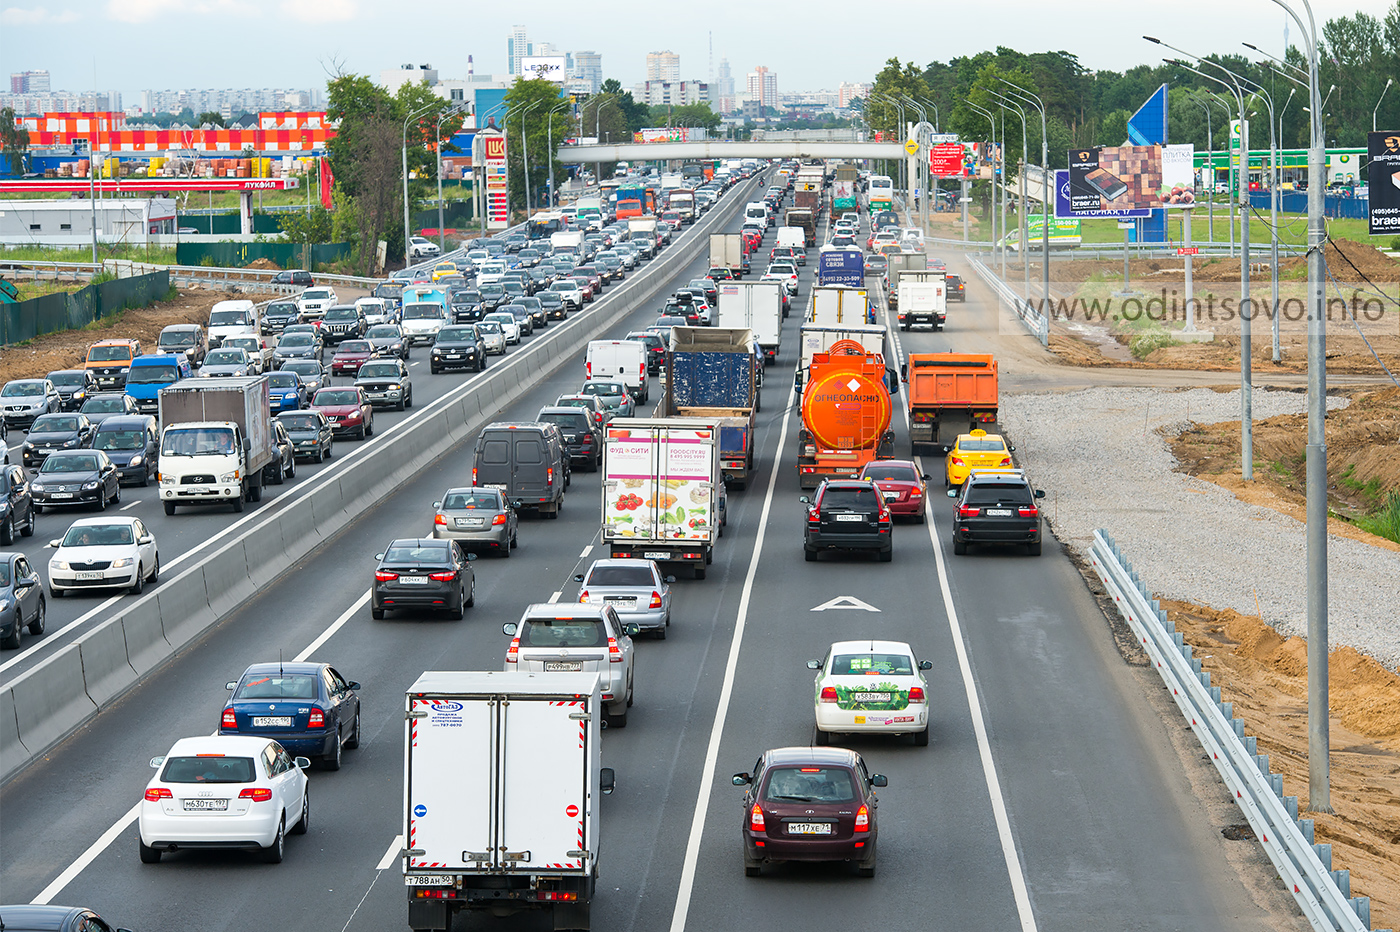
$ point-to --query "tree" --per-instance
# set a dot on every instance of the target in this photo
(894, 83)
(210, 117)
(696, 114)
(14, 141)
(536, 109)
(314, 227)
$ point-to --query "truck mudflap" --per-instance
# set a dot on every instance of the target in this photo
(770, 354)
(695, 554)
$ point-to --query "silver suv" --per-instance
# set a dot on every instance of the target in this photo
(555, 638)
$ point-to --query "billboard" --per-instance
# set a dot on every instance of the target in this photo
(669, 134)
(1383, 176)
(493, 162)
(1130, 177)
(948, 160)
(837, 266)
(549, 67)
(1062, 210)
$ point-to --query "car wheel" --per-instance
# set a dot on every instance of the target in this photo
(170, 508)
(36, 624)
(921, 738)
(146, 478)
(369, 427)
(12, 642)
(809, 554)
(866, 868)
(821, 738)
(505, 551)
(919, 517)
(435, 370)
(7, 533)
(320, 455)
(1033, 549)
(457, 612)
(331, 761)
(660, 633)
(886, 555)
(272, 854)
(292, 467)
(328, 450)
(409, 400)
(354, 740)
(139, 585)
(617, 719)
(403, 403)
(959, 547)
(155, 571)
(102, 499)
(149, 855)
(281, 475)
(304, 822)
(360, 434)
(752, 867)
(515, 540)
(28, 529)
(471, 595)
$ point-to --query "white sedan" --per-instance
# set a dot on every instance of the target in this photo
(509, 327)
(867, 687)
(224, 791)
(107, 553)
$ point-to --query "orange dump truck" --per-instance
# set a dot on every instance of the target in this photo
(961, 386)
(846, 413)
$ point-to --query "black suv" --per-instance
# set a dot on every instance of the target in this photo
(343, 322)
(848, 514)
(294, 277)
(277, 316)
(996, 507)
(583, 437)
(656, 349)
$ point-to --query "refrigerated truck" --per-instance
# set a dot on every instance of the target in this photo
(727, 251)
(502, 789)
(216, 437)
(756, 306)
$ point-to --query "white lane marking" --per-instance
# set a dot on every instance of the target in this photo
(335, 626)
(131, 506)
(979, 724)
(554, 597)
(414, 363)
(392, 855)
(54, 636)
(844, 601)
(707, 774)
(87, 857)
(586, 551)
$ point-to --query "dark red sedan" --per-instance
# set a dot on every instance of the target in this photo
(348, 410)
(904, 488)
(809, 804)
(350, 355)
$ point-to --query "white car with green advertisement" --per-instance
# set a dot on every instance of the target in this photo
(865, 687)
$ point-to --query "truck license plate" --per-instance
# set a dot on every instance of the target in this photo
(272, 721)
(496, 485)
(428, 880)
(655, 555)
(809, 828)
(850, 517)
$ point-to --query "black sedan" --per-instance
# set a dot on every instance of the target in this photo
(308, 708)
(78, 477)
(310, 434)
(16, 504)
(387, 340)
(298, 346)
(103, 405)
(53, 432)
(423, 573)
(21, 600)
(553, 304)
(457, 348)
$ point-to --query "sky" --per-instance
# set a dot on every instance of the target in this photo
(135, 45)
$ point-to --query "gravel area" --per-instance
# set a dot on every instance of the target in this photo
(1100, 457)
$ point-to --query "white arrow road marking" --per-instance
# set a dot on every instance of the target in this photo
(844, 601)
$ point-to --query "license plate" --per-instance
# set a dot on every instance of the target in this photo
(428, 880)
(272, 721)
(563, 666)
(470, 522)
(60, 495)
(496, 485)
(809, 828)
(656, 555)
(891, 496)
(850, 517)
(205, 805)
(621, 601)
(871, 697)
(196, 490)
(414, 580)
(998, 512)
(88, 575)
(453, 356)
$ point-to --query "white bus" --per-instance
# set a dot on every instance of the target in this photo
(881, 193)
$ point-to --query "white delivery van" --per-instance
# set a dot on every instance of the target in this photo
(795, 237)
(619, 360)
(756, 212)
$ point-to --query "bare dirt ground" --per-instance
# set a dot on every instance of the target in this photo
(1265, 676)
(68, 348)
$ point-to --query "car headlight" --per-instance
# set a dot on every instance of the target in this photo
(27, 446)
(395, 387)
(165, 479)
(136, 460)
(229, 476)
(4, 603)
(70, 443)
(89, 486)
(121, 563)
(58, 565)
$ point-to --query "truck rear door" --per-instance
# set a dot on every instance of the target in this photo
(530, 465)
(449, 820)
(543, 808)
(684, 500)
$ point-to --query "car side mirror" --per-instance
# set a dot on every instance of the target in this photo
(437, 505)
(53, 543)
(925, 477)
(607, 780)
(1039, 493)
(471, 557)
(157, 761)
(303, 763)
(952, 493)
(797, 383)
(379, 556)
(741, 779)
(925, 664)
(805, 500)
(1011, 447)
(879, 779)
(814, 665)
(231, 684)
(517, 504)
(578, 577)
(352, 685)
(631, 630)
(669, 579)
(145, 539)
(510, 628)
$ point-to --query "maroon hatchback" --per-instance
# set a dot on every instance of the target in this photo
(809, 804)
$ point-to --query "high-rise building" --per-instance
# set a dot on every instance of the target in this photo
(588, 69)
(672, 93)
(663, 66)
(847, 92)
(763, 87)
(29, 82)
(724, 86)
(518, 47)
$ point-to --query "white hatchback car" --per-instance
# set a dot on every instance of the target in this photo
(224, 791)
(104, 553)
(865, 687)
(509, 327)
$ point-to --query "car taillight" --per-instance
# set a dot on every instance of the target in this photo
(443, 577)
(597, 416)
(916, 694)
(583, 595)
(756, 819)
(588, 370)
(549, 475)
(968, 512)
(384, 576)
(614, 652)
(642, 371)
(863, 819)
(513, 651)
(655, 599)
(1005, 461)
(956, 461)
(1031, 512)
(499, 519)
(439, 519)
(258, 794)
(229, 720)
(814, 516)
(829, 694)
(317, 719)
(473, 475)
(156, 793)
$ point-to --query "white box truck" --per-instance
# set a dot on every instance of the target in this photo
(923, 298)
(502, 787)
(642, 231)
(756, 306)
(623, 360)
(727, 252)
(838, 305)
(216, 437)
(661, 488)
(567, 242)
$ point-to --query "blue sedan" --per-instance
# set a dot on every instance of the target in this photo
(286, 391)
(308, 708)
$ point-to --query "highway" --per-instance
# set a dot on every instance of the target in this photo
(1049, 797)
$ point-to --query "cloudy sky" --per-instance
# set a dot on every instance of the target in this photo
(133, 45)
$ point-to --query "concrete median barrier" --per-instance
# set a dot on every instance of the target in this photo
(183, 603)
(13, 753)
(51, 700)
(299, 531)
(106, 670)
(144, 631)
(226, 579)
(265, 554)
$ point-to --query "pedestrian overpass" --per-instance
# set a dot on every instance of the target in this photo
(722, 149)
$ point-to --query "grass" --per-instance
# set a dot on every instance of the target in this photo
(1385, 520)
(157, 255)
(1146, 344)
(1293, 230)
(1370, 489)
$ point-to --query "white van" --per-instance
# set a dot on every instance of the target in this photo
(234, 318)
(756, 212)
(793, 236)
(619, 360)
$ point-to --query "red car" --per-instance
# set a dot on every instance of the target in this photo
(752, 240)
(348, 409)
(585, 285)
(901, 484)
(809, 804)
(350, 355)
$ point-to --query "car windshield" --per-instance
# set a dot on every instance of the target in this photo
(468, 501)
(104, 404)
(563, 632)
(70, 462)
(182, 337)
(296, 339)
(379, 370)
(197, 441)
(352, 347)
(489, 326)
(569, 421)
(619, 575)
(500, 317)
(456, 335)
(891, 473)
(416, 552)
(340, 313)
(65, 379)
(316, 294)
(994, 493)
(148, 375)
(872, 665)
(850, 499)
(282, 309)
(564, 286)
(119, 440)
(226, 357)
(207, 768)
(22, 389)
(282, 379)
(466, 297)
(336, 396)
(422, 311)
(383, 332)
(601, 388)
(300, 421)
(227, 318)
(810, 785)
(98, 535)
(980, 445)
(108, 353)
(54, 423)
(303, 367)
(277, 686)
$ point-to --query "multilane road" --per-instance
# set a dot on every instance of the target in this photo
(1049, 797)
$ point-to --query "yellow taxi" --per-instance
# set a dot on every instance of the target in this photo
(444, 269)
(977, 450)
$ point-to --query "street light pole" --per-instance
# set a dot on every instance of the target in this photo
(437, 145)
(550, 143)
(1022, 234)
(1210, 158)
(409, 119)
(993, 207)
(525, 155)
(1034, 101)
(1388, 82)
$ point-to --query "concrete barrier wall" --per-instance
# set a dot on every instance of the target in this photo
(48, 702)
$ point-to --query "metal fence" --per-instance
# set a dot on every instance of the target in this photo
(283, 255)
(25, 320)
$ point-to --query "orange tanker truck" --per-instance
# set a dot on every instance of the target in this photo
(846, 412)
(949, 386)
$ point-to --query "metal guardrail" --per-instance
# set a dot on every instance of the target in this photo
(1324, 895)
(1035, 322)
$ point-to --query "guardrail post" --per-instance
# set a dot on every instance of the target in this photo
(1307, 827)
(1362, 905)
(1341, 878)
(1324, 854)
(1291, 804)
